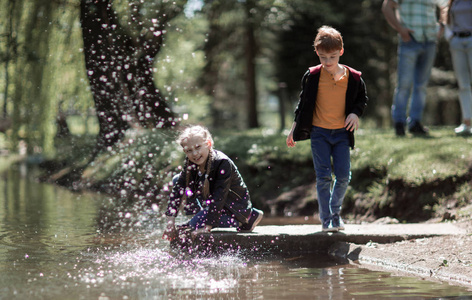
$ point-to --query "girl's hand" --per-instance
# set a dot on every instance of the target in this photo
(170, 233)
(206, 229)
(352, 122)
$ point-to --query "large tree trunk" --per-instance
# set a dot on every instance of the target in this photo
(120, 71)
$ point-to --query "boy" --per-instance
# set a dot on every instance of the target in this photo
(333, 98)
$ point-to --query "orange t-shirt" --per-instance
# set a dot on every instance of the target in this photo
(330, 108)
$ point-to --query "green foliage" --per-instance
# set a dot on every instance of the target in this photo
(384, 181)
(46, 69)
(180, 64)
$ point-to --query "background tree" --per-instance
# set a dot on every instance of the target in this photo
(119, 59)
(207, 64)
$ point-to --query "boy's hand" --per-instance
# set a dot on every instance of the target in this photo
(290, 142)
(352, 122)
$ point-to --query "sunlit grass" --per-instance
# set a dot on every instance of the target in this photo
(414, 159)
(147, 160)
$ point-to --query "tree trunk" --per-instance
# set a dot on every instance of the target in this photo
(120, 71)
(251, 49)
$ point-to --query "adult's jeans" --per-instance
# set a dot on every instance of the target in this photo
(415, 61)
(331, 155)
(461, 52)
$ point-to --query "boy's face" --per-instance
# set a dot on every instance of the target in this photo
(197, 149)
(330, 60)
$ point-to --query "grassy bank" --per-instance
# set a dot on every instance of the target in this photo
(412, 179)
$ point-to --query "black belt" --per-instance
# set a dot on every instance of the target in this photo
(463, 34)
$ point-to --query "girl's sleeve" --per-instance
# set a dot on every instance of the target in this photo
(219, 192)
(175, 198)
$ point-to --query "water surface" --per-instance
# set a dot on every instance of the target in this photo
(55, 244)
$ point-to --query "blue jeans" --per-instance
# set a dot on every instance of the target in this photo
(198, 220)
(461, 52)
(327, 144)
(415, 61)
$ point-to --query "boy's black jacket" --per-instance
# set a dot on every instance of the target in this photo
(356, 101)
(227, 192)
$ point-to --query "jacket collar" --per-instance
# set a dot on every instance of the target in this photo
(355, 74)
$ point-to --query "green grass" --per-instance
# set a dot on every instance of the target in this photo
(413, 159)
(406, 177)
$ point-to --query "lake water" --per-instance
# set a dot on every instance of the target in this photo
(55, 244)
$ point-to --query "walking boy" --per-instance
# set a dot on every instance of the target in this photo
(333, 98)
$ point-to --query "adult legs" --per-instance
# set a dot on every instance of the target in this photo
(424, 64)
(406, 59)
(461, 52)
(415, 61)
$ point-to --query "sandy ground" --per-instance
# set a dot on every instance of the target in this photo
(445, 258)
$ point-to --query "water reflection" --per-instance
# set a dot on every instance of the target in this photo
(59, 245)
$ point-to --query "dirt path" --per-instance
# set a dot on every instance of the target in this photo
(445, 258)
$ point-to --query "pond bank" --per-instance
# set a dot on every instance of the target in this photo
(432, 251)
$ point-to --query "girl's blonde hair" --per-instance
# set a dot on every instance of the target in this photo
(194, 130)
(197, 130)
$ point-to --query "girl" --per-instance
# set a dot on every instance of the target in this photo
(209, 187)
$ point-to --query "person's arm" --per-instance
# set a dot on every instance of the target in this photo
(170, 232)
(205, 229)
(389, 10)
(290, 142)
(443, 19)
(360, 103)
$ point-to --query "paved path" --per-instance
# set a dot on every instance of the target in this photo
(288, 239)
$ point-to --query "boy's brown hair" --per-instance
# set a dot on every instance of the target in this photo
(328, 39)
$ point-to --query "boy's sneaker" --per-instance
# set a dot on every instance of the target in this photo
(254, 219)
(326, 226)
(338, 222)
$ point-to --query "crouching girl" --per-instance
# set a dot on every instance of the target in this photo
(210, 188)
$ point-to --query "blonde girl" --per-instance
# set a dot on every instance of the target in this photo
(210, 188)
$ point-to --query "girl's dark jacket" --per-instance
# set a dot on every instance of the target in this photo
(228, 192)
(356, 101)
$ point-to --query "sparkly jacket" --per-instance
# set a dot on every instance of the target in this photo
(356, 101)
(228, 192)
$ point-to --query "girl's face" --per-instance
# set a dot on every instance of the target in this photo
(197, 149)
(330, 60)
